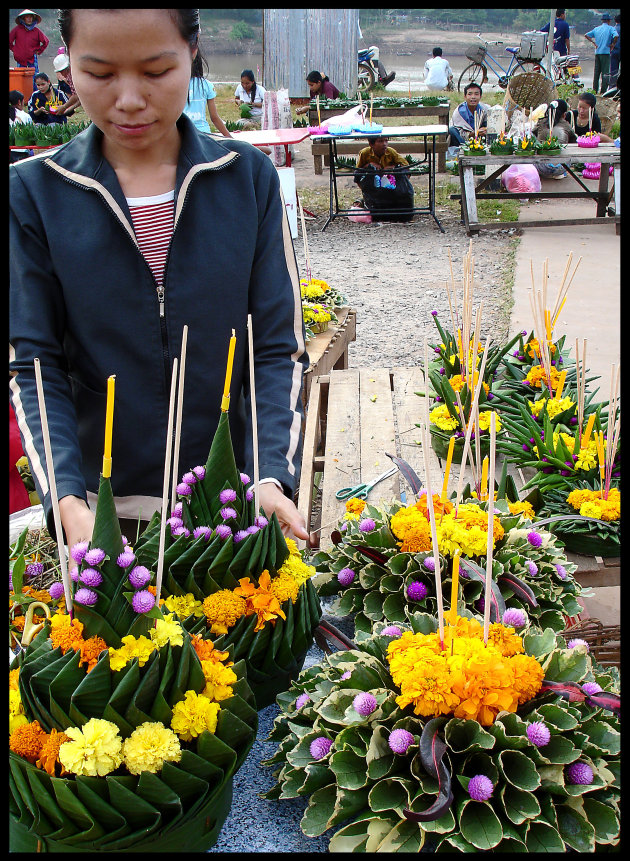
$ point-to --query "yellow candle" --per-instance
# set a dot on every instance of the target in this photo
(555, 319)
(587, 433)
(225, 402)
(563, 377)
(109, 426)
(371, 101)
(484, 478)
(454, 590)
(319, 117)
(548, 323)
(449, 459)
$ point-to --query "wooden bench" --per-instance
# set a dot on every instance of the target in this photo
(328, 350)
(319, 150)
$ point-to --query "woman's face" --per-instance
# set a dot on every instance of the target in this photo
(131, 71)
(42, 85)
(582, 109)
(246, 84)
(314, 87)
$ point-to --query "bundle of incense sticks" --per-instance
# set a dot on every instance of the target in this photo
(613, 428)
(580, 368)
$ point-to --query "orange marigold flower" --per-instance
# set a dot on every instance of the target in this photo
(49, 753)
(528, 677)
(90, 650)
(68, 637)
(206, 651)
(505, 639)
(18, 622)
(439, 507)
(27, 740)
(13, 679)
(260, 600)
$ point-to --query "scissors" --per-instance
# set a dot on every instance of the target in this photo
(361, 490)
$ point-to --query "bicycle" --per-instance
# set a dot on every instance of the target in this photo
(477, 71)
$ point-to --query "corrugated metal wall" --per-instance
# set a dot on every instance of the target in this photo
(296, 41)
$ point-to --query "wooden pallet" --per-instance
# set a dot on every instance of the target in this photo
(329, 350)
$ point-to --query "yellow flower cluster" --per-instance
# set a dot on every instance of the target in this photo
(295, 568)
(219, 679)
(532, 348)
(476, 144)
(223, 609)
(149, 746)
(457, 382)
(476, 682)
(93, 750)
(412, 528)
(354, 507)
(468, 532)
(523, 508)
(260, 600)
(313, 289)
(184, 605)
(316, 313)
(536, 375)
(441, 418)
(193, 715)
(141, 648)
(589, 503)
(17, 717)
(586, 458)
(484, 421)
(555, 406)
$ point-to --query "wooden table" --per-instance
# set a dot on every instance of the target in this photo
(441, 112)
(572, 154)
(328, 350)
(274, 137)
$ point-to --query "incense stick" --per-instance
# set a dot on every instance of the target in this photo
(434, 539)
(307, 263)
(178, 421)
(167, 464)
(252, 395)
(460, 480)
(489, 546)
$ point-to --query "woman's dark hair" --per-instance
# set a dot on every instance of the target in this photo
(316, 77)
(247, 73)
(15, 96)
(43, 76)
(589, 98)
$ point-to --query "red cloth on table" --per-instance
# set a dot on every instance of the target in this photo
(18, 495)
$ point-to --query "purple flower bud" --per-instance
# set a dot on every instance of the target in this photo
(180, 530)
(143, 601)
(245, 478)
(139, 576)
(561, 571)
(189, 478)
(178, 509)
(345, 676)
(227, 495)
(560, 360)
(434, 313)
(228, 513)
(253, 529)
(91, 577)
(532, 440)
(34, 569)
(480, 605)
(532, 568)
(526, 382)
(79, 550)
(545, 458)
(126, 559)
(183, 489)
(436, 350)
(538, 733)
(547, 470)
(343, 526)
(569, 463)
(391, 631)
(553, 361)
(515, 617)
(416, 591)
(367, 525)
(438, 398)
(515, 354)
(260, 521)
(577, 642)
(86, 597)
(573, 420)
(302, 700)
(320, 747)
(399, 740)
(591, 688)
(489, 396)
(525, 447)
(94, 556)
(202, 531)
(200, 472)
(346, 576)
(579, 774)
(249, 494)
(223, 531)
(240, 536)
(429, 563)
(480, 787)
(534, 538)
(565, 472)
(74, 575)
(56, 590)
(364, 703)
(124, 541)
(442, 371)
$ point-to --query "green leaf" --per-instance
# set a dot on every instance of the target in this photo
(394, 607)
(555, 715)
(602, 738)
(576, 831)
(559, 750)
(518, 769)
(519, 805)
(349, 769)
(565, 665)
(352, 838)
(406, 836)
(539, 645)
(542, 837)
(465, 736)
(480, 825)
(603, 819)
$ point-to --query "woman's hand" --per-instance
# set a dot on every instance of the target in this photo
(77, 521)
(292, 522)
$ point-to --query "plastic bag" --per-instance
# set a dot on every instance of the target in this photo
(347, 120)
(521, 178)
(277, 115)
(360, 216)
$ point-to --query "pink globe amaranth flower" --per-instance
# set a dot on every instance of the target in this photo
(538, 733)
(56, 590)
(480, 787)
(183, 489)
(202, 531)
(189, 478)
(223, 531)
(532, 568)
(91, 577)
(200, 472)
(588, 687)
(94, 556)
(245, 478)
(346, 576)
(320, 747)
(124, 541)
(86, 597)
(241, 535)
(577, 642)
(175, 522)
(180, 530)
(79, 550)
(391, 631)
(253, 529)
(579, 774)
(74, 575)
(364, 703)
(227, 495)
(515, 617)
(139, 576)
(228, 513)
(561, 571)
(34, 569)
(143, 601)
(260, 521)
(302, 700)
(416, 591)
(126, 559)
(249, 494)
(429, 563)
(400, 740)
(345, 676)
(367, 525)
(343, 526)
(178, 509)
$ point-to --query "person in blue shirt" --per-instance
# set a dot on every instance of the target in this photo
(561, 33)
(615, 53)
(604, 38)
(463, 123)
(201, 93)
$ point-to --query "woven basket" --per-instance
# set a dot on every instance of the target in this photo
(476, 53)
(603, 640)
(606, 111)
(528, 91)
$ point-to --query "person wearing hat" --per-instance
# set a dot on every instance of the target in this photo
(604, 38)
(27, 41)
(61, 65)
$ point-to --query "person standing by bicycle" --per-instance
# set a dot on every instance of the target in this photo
(604, 38)
(463, 124)
(561, 33)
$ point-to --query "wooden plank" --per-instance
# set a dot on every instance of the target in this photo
(559, 222)
(469, 201)
(329, 349)
(377, 432)
(350, 148)
(310, 447)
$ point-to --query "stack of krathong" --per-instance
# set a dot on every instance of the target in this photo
(511, 745)
(126, 731)
(226, 570)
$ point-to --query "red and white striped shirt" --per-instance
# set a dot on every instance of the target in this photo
(153, 224)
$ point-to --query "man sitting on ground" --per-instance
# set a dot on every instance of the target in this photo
(438, 74)
(382, 174)
(463, 125)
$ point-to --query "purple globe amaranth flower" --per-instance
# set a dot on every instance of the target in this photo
(489, 396)
(442, 371)
(74, 575)
(416, 591)
(391, 631)
(526, 382)
(79, 550)
(180, 530)
(245, 478)
(94, 556)
(139, 576)
(565, 472)
(200, 472)
(573, 420)
(227, 495)
(525, 447)
(178, 509)
(577, 642)
(367, 525)
(345, 676)
(515, 617)
(561, 571)
(143, 601)
(34, 569)
(56, 590)
(434, 313)
(534, 538)
(86, 597)
(343, 526)
(515, 354)
(223, 531)
(400, 740)
(346, 576)
(589, 687)
(189, 478)
(253, 529)
(532, 568)
(538, 733)
(579, 774)
(260, 521)
(183, 489)
(91, 577)
(126, 559)
(228, 513)
(249, 494)
(202, 532)
(480, 787)
(364, 703)
(302, 700)
(320, 746)
(241, 535)
(429, 563)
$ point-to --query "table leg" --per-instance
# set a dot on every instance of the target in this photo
(469, 199)
(617, 189)
(432, 159)
(332, 181)
(602, 191)
(287, 158)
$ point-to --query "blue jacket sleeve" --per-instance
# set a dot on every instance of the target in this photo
(36, 329)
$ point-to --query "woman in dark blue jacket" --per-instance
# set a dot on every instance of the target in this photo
(97, 290)
(43, 102)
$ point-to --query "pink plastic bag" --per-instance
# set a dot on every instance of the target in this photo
(521, 178)
(360, 216)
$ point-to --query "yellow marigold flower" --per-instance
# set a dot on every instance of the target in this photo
(61, 620)
(17, 716)
(537, 374)
(441, 418)
(193, 715)
(90, 650)
(184, 605)
(49, 754)
(439, 507)
(457, 381)
(27, 739)
(67, 636)
(590, 504)
(528, 677)
(149, 746)
(532, 348)
(505, 639)
(284, 587)
(523, 508)
(13, 679)
(484, 686)
(467, 532)
(297, 569)
(354, 507)
(293, 548)
(167, 630)
(428, 686)
(93, 750)
(219, 679)
(484, 421)
(141, 648)
(586, 459)
(223, 609)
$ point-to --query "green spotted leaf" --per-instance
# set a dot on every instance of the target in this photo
(480, 825)
(349, 769)
(519, 805)
(603, 819)
(576, 831)
(542, 837)
(518, 769)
